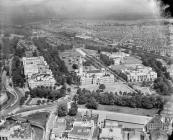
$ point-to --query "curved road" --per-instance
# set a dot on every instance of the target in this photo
(14, 98)
(13, 103)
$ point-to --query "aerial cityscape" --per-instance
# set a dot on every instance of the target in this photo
(78, 70)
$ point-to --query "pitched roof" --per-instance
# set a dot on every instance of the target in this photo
(111, 132)
(94, 71)
(79, 131)
(121, 117)
(59, 127)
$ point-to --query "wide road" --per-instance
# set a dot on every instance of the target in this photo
(3, 95)
(13, 101)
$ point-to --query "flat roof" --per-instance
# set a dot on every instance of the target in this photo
(111, 132)
(94, 71)
(79, 131)
(59, 127)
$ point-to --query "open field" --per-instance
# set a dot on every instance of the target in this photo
(116, 87)
(127, 110)
(69, 57)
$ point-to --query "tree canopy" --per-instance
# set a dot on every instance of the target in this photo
(73, 110)
(162, 84)
(62, 110)
(134, 100)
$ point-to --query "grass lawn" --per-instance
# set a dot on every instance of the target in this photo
(116, 87)
(127, 110)
(40, 117)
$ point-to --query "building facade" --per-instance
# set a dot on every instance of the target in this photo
(111, 134)
(139, 74)
(37, 72)
(82, 130)
(94, 77)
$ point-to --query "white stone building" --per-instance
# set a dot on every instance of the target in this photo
(82, 130)
(139, 74)
(116, 57)
(111, 133)
(94, 77)
(37, 72)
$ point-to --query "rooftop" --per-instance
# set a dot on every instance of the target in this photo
(94, 71)
(121, 117)
(16, 130)
(79, 131)
(59, 126)
(111, 133)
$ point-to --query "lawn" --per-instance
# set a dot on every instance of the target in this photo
(127, 110)
(116, 87)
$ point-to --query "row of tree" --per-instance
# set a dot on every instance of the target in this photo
(62, 110)
(63, 47)
(58, 67)
(23, 99)
(47, 92)
(18, 76)
(162, 84)
(106, 60)
(17, 69)
(92, 99)
(99, 49)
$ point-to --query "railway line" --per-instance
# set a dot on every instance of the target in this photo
(97, 63)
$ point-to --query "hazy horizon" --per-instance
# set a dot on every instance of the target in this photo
(16, 11)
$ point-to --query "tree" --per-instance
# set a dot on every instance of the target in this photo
(75, 98)
(146, 103)
(91, 103)
(79, 91)
(35, 54)
(17, 72)
(69, 80)
(62, 92)
(75, 66)
(104, 99)
(62, 110)
(99, 51)
(22, 100)
(102, 87)
(55, 94)
(68, 90)
(106, 60)
(73, 109)
(82, 99)
(38, 102)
